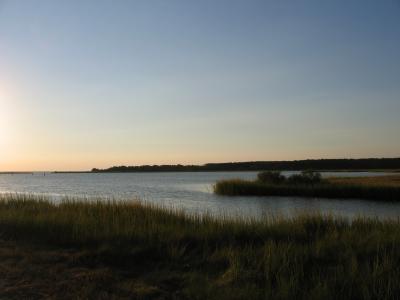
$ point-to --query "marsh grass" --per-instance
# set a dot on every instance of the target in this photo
(199, 257)
(375, 188)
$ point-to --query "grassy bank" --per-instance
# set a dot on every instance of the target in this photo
(130, 250)
(375, 188)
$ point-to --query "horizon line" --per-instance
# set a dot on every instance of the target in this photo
(209, 163)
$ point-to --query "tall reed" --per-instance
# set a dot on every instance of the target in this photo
(303, 257)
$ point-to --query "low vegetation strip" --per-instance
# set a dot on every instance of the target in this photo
(128, 250)
(390, 180)
(385, 188)
(312, 164)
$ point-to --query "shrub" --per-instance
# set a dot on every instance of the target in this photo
(274, 177)
(306, 177)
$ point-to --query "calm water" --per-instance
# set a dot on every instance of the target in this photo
(191, 192)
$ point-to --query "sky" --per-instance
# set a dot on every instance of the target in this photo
(87, 84)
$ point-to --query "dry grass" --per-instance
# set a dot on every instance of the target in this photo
(390, 180)
(110, 250)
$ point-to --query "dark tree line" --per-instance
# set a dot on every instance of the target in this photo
(309, 164)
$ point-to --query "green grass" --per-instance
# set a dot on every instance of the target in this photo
(170, 255)
(331, 188)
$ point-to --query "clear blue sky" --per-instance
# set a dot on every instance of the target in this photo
(98, 83)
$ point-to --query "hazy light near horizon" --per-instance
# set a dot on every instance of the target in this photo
(101, 83)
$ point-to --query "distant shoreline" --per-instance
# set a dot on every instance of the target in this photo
(364, 164)
(320, 165)
(122, 172)
(15, 173)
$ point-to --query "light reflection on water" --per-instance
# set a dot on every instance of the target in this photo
(192, 192)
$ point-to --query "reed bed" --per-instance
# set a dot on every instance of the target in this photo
(385, 188)
(200, 257)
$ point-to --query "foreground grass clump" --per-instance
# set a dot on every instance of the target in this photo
(146, 252)
(310, 184)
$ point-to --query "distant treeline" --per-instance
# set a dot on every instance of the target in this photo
(309, 164)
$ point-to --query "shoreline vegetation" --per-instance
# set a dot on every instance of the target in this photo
(311, 184)
(121, 250)
(367, 164)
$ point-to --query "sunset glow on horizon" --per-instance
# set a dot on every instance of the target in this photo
(95, 84)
